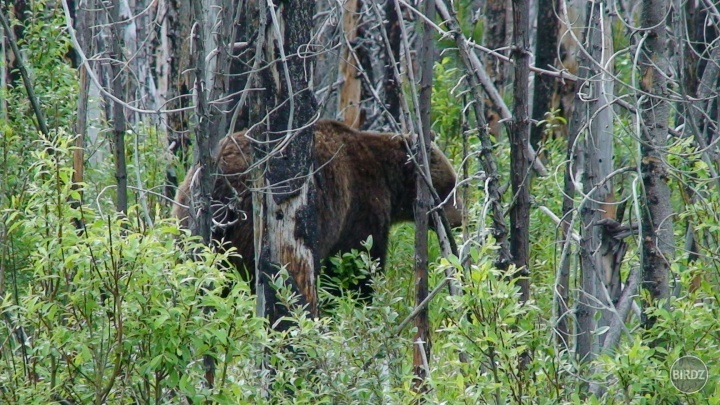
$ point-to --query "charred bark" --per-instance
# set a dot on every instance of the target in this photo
(392, 87)
(118, 110)
(423, 202)
(519, 134)
(285, 214)
(495, 38)
(658, 247)
(548, 28)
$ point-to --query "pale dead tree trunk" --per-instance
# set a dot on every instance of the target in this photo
(495, 38)
(146, 87)
(519, 134)
(284, 214)
(573, 15)
(349, 100)
(658, 248)
(548, 28)
(423, 201)
(174, 79)
(597, 264)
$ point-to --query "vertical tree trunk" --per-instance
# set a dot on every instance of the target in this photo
(596, 255)
(495, 38)
(349, 100)
(174, 82)
(3, 74)
(423, 202)
(392, 87)
(519, 159)
(83, 22)
(285, 219)
(548, 28)
(658, 249)
(118, 110)
(563, 282)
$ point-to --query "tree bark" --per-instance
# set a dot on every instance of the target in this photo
(423, 202)
(285, 216)
(658, 248)
(392, 87)
(495, 38)
(548, 28)
(118, 111)
(519, 133)
(597, 262)
(174, 80)
(349, 100)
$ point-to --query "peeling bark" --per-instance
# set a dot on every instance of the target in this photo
(285, 216)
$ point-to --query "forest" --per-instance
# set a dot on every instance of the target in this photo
(359, 201)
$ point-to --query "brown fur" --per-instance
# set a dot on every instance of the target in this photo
(365, 183)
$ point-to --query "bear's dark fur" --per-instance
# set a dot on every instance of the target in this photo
(365, 183)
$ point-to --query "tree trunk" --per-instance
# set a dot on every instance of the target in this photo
(495, 38)
(519, 160)
(423, 202)
(118, 110)
(285, 216)
(349, 100)
(392, 59)
(174, 81)
(658, 249)
(548, 28)
(83, 22)
(597, 254)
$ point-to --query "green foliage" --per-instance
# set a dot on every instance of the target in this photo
(350, 268)
(639, 371)
(115, 312)
(45, 46)
(124, 311)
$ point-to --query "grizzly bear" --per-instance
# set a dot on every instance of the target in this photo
(365, 183)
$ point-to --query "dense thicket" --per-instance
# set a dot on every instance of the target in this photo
(586, 266)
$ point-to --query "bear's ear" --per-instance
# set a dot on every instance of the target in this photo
(433, 135)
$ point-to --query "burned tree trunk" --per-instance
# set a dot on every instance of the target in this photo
(423, 202)
(658, 247)
(392, 57)
(284, 207)
(118, 109)
(495, 38)
(519, 133)
(548, 28)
